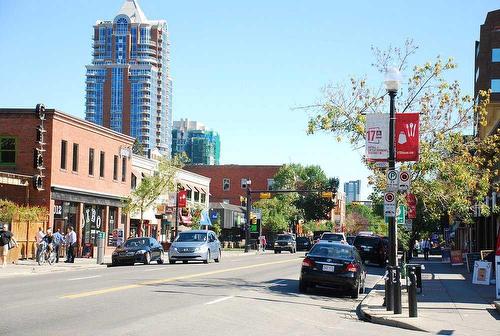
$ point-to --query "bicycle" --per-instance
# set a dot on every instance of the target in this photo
(45, 253)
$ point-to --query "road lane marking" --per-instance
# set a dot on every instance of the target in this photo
(82, 278)
(219, 300)
(183, 277)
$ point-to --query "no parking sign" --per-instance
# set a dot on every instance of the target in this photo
(390, 204)
(404, 180)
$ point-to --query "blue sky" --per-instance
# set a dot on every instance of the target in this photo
(240, 67)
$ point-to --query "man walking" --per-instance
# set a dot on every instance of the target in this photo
(426, 246)
(58, 241)
(5, 239)
(39, 237)
(70, 243)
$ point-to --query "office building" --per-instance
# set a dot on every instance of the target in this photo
(352, 190)
(201, 145)
(128, 84)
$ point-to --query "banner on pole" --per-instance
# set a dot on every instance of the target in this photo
(377, 136)
(407, 136)
(182, 198)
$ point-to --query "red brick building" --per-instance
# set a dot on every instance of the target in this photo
(81, 171)
(228, 182)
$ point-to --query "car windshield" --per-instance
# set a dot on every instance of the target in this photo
(331, 236)
(192, 237)
(337, 251)
(302, 239)
(284, 237)
(367, 241)
(137, 242)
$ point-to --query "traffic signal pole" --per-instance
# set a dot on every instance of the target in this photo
(247, 219)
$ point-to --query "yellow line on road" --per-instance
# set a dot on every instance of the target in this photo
(158, 281)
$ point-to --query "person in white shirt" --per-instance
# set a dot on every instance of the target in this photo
(426, 246)
(70, 245)
(39, 237)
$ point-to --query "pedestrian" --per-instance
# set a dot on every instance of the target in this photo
(264, 243)
(58, 241)
(7, 241)
(38, 237)
(426, 246)
(70, 245)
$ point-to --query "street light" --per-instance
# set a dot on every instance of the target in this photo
(247, 219)
(393, 286)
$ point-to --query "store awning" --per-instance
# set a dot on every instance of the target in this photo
(187, 186)
(196, 189)
(203, 190)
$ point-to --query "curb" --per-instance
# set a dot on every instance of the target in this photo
(364, 315)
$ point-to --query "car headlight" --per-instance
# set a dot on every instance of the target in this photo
(175, 249)
(140, 252)
(289, 243)
(275, 244)
(201, 249)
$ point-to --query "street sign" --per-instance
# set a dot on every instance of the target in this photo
(404, 180)
(265, 195)
(409, 224)
(401, 214)
(392, 180)
(390, 204)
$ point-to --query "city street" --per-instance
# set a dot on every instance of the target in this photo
(251, 294)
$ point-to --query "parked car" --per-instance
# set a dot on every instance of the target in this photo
(333, 237)
(285, 242)
(372, 248)
(303, 243)
(138, 250)
(195, 245)
(334, 265)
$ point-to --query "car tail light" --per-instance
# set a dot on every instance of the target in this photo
(351, 267)
(308, 262)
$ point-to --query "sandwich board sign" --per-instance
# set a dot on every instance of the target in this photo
(390, 204)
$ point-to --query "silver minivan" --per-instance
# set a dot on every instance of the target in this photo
(195, 245)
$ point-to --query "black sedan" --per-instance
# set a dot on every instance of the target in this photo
(334, 265)
(138, 250)
(303, 243)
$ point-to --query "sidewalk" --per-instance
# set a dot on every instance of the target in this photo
(449, 304)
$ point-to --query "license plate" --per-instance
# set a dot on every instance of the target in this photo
(328, 268)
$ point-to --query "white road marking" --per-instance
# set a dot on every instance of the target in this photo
(82, 278)
(219, 300)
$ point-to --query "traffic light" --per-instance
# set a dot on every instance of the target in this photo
(243, 201)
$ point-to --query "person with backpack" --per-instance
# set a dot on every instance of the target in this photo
(7, 241)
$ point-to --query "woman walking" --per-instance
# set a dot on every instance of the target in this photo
(7, 241)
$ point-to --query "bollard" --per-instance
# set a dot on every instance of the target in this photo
(412, 292)
(100, 248)
(389, 303)
(418, 276)
(397, 290)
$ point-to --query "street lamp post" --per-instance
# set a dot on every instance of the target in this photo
(247, 219)
(392, 81)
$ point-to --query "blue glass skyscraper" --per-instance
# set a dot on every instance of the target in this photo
(128, 84)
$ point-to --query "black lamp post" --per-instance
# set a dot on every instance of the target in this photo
(247, 217)
(392, 81)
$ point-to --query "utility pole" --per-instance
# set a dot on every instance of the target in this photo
(247, 218)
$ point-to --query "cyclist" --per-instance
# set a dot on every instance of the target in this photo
(46, 247)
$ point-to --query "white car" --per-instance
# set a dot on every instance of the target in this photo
(333, 237)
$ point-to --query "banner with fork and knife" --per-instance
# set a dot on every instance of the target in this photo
(407, 136)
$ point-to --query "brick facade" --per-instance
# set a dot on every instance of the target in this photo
(259, 175)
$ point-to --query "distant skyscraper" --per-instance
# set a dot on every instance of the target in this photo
(352, 190)
(202, 146)
(129, 88)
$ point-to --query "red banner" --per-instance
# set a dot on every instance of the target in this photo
(407, 136)
(411, 200)
(182, 199)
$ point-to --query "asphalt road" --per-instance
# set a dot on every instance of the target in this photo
(242, 295)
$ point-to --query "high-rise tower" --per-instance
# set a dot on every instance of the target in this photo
(129, 88)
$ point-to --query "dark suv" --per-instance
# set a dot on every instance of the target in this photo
(303, 243)
(372, 249)
(285, 242)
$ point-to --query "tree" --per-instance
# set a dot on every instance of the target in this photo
(277, 213)
(454, 169)
(10, 210)
(138, 148)
(152, 187)
(216, 227)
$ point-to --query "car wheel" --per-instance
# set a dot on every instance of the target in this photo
(218, 257)
(147, 258)
(206, 261)
(161, 259)
(171, 261)
(355, 291)
(303, 286)
(275, 252)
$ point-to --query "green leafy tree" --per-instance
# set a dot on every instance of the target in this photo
(10, 211)
(454, 170)
(216, 227)
(277, 213)
(152, 187)
(138, 148)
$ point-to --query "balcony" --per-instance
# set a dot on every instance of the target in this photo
(90, 103)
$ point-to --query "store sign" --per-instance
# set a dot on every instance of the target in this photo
(407, 136)
(377, 136)
(482, 272)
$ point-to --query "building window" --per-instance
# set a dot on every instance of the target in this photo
(495, 55)
(7, 151)
(64, 149)
(270, 184)
(226, 184)
(133, 181)
(196, 196)
(101, 165)
(225, 201)
(203, 197)
(91, 161)
(124, 169)
(115, 168)
(75, 157)
(495, 85)
(189, 194)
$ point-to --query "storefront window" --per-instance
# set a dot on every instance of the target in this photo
(92, 218)
(64, 215)
(112, 225)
